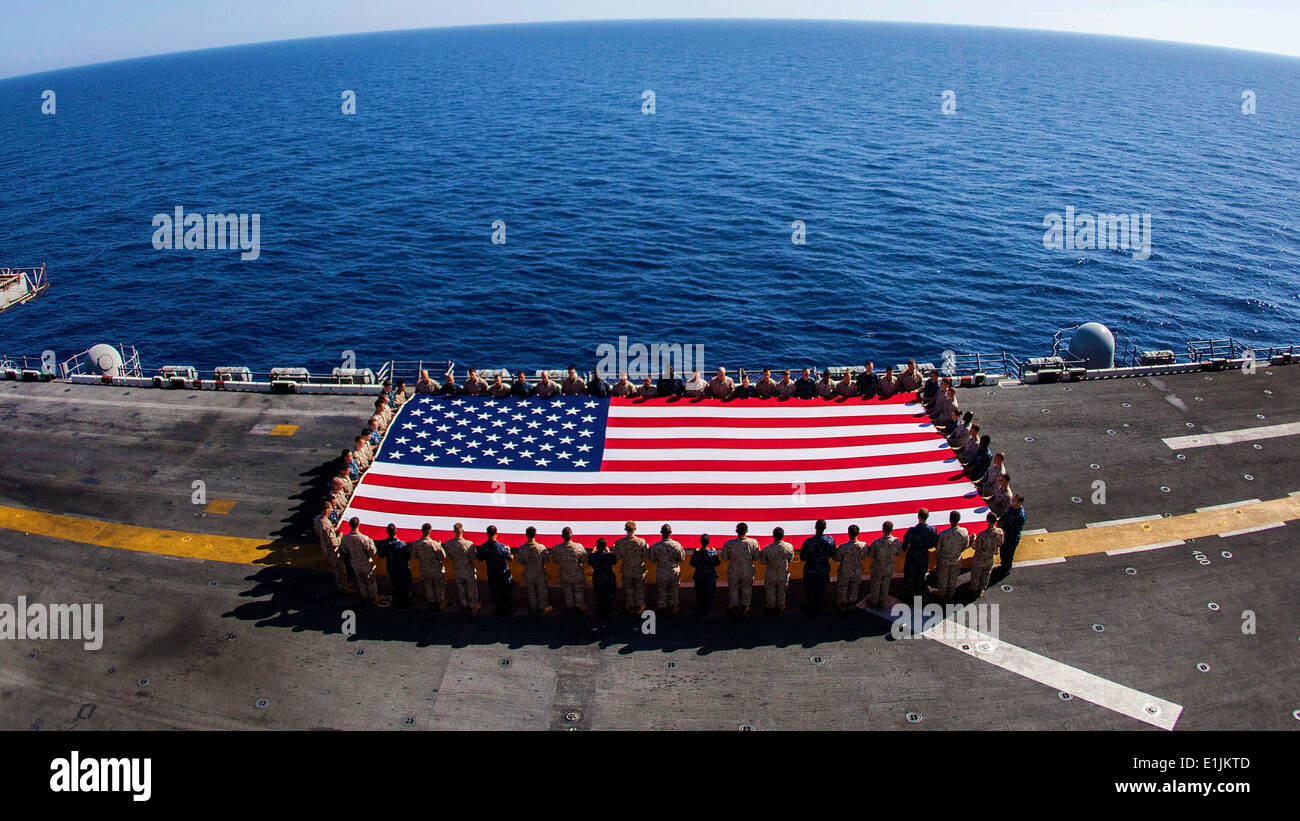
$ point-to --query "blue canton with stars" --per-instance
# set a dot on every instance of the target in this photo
(563, 433)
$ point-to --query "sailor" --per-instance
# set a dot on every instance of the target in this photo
(533, 556)
(740, 554)
(398, 556)
(361, 553)
(338, 493)
(952, 543)
(399, 395)
(519, 388)
(429, 552)
(978, 466)
(573, 384)
(951, 410)
(868, 381)
(816, 553)
(888, 384)
(721, 385)
(474, 386)
(882, 552)
(667, 555)
(362, 453)
(917, 543)
(498, 389)
(496, 559)
(424, 384)
(972, 445)
(997, 469)
(545, 388)
(850, 556)
(462, 554)
(910, 379)
(846, 386)
(647, 389)
(705, 561)
(776, 559)
(373, 434)
(1000, 500)
(670, 385)
(1012, 523)
(930, 390)
(960, 434)
(622, 387)
(603, 582)
(329, 545)
(597, 388)
(805, 388)
(449, 386)
(987, 543)
(569, 557)
(353, 469)
(344, 480)
(825, 386)
(633, 551)
(785, 388)
(765, 388)
(942, 407)
(744, 390)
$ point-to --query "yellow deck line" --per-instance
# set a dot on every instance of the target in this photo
(237, 550)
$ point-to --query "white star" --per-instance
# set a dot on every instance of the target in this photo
(462, 421)
(424, 400)
(453, 451)
(543, 462)
(516, 416)
(570, 411)
(564, 454)
(584, 433)
(417, 448)
(492, 437)
(467, 458)
(397, 454)
(417, 412)
(528, 439)
(401, 440)
(407, 425)
(443, 428)
(589, 418)
(496, 423)
(569, 425)
(458, 401)
(580, 463)
(547, 446)
(534, 424)
(458, 435)
(566, 440)
(423, 434)
(510, 446)
(549, 432)
(537, 409)
(437, 443)
(525, 453)
(584, 448)
(512, 431)
(555, 417)
(490, 452)
(505, 460)
(591, 404)
(432, 457)
(477, 429)
(490, 402)
(474, 444)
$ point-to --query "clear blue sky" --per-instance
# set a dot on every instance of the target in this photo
(38, 35)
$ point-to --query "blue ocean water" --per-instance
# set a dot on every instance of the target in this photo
(924, 231)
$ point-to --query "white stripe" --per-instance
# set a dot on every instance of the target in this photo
(777, 431)
(1228, 505)
(719, 529)
(504, 497)
(809, 410)
(1110, 522)
(1121, 551)
(1255, 529)
(1062, 677)
(1229, 437)
(1037, 532)
(668, 477)
(697, 454)
(1034, 562)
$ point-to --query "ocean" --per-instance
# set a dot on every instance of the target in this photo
(922, 231)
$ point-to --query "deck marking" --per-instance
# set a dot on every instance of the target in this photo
(1230, 437)
(1035, 562)
(1036, 532)
(1228, 505)
(284, 430)
(219, 506)
(1057, 675)
(1130, 520)
(1254, 529)
(1142, 547)
(360, 409)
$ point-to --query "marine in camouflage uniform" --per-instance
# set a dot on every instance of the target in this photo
(533, 556)
(740, 553)
(569, 557)
(882, 552)
(952, 543)
(633, 551)
(329, 545)
(461, 552)
(667, 554)
(430, 554)
(361, 553)
(776, 559)
(987, 543)
(850, 556)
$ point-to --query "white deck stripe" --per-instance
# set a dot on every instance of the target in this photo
(1079, 683)
(358, 410)
(1228, 505)
(1143, 547)
(1254, 529)
(1230, 437)
(1128, 521)
(1038, 532)
(1035, 562)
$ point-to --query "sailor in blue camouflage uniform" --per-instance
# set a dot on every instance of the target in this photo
(816, 554)
(603, 581)
(496, 557)
(394, 551)
(1012, 523)
(705, 561)
(919, 540)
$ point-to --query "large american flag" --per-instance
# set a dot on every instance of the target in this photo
(699, 465)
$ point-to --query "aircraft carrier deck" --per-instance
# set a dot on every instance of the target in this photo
(218, 615)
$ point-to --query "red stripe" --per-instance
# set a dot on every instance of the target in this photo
(669, 514)
(771, 442)
(685, 489)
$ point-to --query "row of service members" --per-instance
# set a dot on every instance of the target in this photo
(867, 384)
(741, 553)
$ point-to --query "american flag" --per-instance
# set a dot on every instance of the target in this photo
(699, 465)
